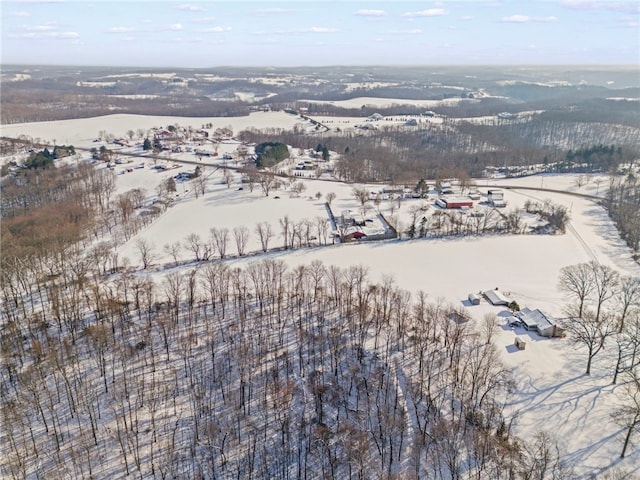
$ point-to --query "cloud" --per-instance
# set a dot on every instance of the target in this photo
(291, 32)
(273, 11)
(45, 30)
(38, 1)
(216, 30)
(628, 22)
(175, 27)
(65, 35)
(466, 17)
(191, 7)
(187, 40)
(527, 19)
(48, 27)
(625, 7)
(20, 14)
(414, 31)
(370, 13)
(120, 30)
(318, 30)
(431, 12)
(202, 20)
(47, 34)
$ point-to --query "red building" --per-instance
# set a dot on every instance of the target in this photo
(454, 202)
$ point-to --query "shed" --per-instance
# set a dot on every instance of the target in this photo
(521, 344)
(474, 299)
(496, 297)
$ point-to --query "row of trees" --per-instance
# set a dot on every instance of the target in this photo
(223, 242)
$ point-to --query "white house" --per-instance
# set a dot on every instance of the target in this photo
(496, 198)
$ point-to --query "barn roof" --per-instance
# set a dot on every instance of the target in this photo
(496, 297)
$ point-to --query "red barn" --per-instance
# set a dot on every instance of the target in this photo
(454, 202)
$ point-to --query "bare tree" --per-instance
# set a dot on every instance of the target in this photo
(200, 184)
(286, 227)
(577, 281)
(297, 188)
(194, 244)
(489, 326)
(330, 196)
(628, 345)
(173, 249)
(145, 250)
(228, 177)
(361, 195)
(267, 181)
(605, 281)
(220, 238)
(592, 332)
(241, 236)
(250, 176)
(627, 414)
(322, 228)
(542, 459)
(263, 229)
(628, 296)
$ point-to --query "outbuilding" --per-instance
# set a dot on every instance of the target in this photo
(496, 198)
(496, 297)
(474, 299)
(521, 344)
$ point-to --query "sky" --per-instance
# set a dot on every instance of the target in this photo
(215, 33)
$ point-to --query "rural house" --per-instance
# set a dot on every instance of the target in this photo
(537, 321)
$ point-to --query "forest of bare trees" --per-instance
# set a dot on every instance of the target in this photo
(265, 372)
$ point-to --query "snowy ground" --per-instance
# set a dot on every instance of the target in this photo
(81, 132)
(552, 391)
(388, 102)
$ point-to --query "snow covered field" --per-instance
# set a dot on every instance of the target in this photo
(388, 102)
(552, 391)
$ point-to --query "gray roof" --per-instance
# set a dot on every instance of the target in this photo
(534, 319)
(496, 297)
